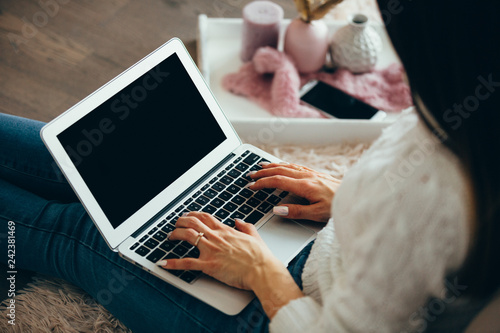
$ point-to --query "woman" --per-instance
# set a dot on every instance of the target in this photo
(410, 239)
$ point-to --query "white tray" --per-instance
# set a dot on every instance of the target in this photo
(219, 43)
(288, 131)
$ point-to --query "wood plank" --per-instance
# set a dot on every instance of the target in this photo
(85, 43)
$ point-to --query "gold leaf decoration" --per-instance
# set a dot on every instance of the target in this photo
(304, 9)
(309, 12)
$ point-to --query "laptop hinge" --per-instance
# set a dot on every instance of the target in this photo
(183, 195)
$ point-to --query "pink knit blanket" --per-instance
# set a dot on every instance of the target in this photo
(272, 81)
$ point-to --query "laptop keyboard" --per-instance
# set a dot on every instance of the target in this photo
(225, 197)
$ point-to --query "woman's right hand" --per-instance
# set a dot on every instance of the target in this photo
(316, 187)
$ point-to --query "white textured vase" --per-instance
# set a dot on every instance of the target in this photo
(356, 46)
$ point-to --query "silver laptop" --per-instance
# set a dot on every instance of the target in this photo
(152, 144)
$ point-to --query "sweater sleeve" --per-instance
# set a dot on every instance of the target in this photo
(398, 241)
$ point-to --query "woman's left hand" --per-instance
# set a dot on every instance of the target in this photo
(233, 256)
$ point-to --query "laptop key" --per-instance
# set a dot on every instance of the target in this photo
(251, 159)
(133, 247)
(241, 182)
(151, 243)
(246, 193)
(283, 194)
(261, 195)
(156, 255)
(253, 202)
(202, 200)
(242, 167)
(171, 255)
(237, 215)
(218, 187)
(143, 238)
(225, 196)
(152, 231)
(230, 207)
(233, 189)
(229, 223)
(238, 199)
(188, 276)
(254, 217)
(160, 236)
(194, 206)
(142, 251)
(217, 202)
(210, 193)
(168, 228)
(265, 207)
(166, 246)
(222, 214)
(234, 173)
(209, 209)
(194, 253)
(187, 245)
(180, 250)
(245, 209)
(256, 167)
(226, 180)
(274, 200)
(176, 272)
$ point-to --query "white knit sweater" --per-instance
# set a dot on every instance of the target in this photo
(399, 226)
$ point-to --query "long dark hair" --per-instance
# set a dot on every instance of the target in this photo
(450, 51)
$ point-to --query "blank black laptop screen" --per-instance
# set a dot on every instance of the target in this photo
(142, 139)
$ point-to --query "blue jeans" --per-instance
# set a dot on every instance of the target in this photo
(55, 236)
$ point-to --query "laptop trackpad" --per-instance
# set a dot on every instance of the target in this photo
(285, 237)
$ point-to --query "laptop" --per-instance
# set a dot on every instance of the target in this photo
(152, 144)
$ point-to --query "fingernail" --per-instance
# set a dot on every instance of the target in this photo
(264, 163)
(185, 214)
(250, 184)
(251, 173)
(280, 210)
(283, 162)
(162, 263)
(239, 220)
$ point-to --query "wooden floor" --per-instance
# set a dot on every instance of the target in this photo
(54, 55)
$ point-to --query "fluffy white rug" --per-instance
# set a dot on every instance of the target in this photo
(54, 305)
